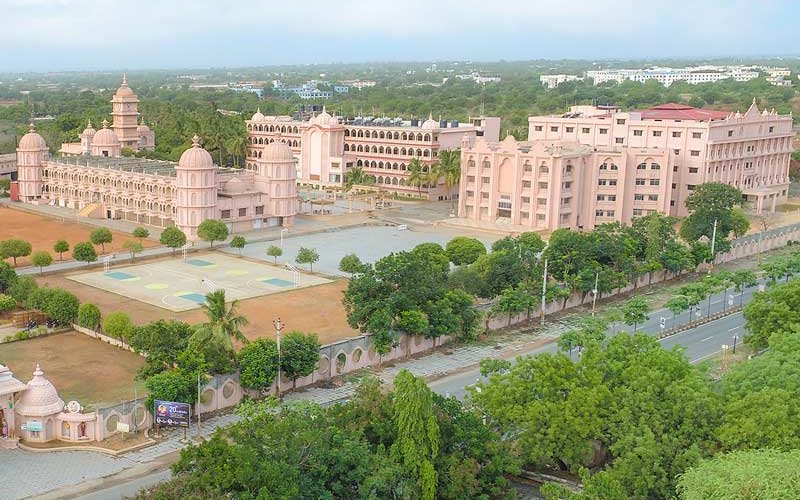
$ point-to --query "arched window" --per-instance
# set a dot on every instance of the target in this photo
(374, 149)
(394, 181)
(380, 148)
(347, 132)
(544, 169)
(427, 137)
(426, 153)
(381, 135)
(346, 147)
(380, 164)
(359, 163)
(395, 150)
(404, 136)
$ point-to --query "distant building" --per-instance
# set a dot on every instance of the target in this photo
(252, 88)
(596, 165)
(359, 84)
(341, 89)
(8, 166)
(478, 78)
(553, 81)
(692, 75)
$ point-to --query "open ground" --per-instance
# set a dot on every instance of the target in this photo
(42, 233)
(83, 369)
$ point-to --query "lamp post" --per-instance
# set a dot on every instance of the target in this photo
(735, 338)
(278, 327)
(544, 288)
(284, 230)
(594, 291)
(713, 242)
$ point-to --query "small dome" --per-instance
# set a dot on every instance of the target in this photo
(235, 185)
(40, 398)
(32, 141)
(323, 118)
(124, 90)
(430, 123)
(89, 131)
(277, 152)
(196, 157)
(142, 127)
(258, 117)
(105, 137)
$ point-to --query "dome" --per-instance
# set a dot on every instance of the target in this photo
(258, 117)
(8, 384)
(196, 157)
(32, 141)
(277, 151)
(89, 131)
(124, 90)
(142, 127)
(105, 137)
(235, 185)
(40, 398)
(430, 123)
(323, 118)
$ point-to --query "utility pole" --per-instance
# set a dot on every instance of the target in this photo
(594, 291)
(713, 242)
(544, 289)
(198, 406)
(278, 327)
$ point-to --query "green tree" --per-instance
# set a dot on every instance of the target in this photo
(7, 303)
(22, 287)
(357, 177)
(60, 247)
(774, 311)
(463, 250)
(513, 300)
(101, 236)
(449, 167)
(133, 247)
(164, 342)
(634, 311)
(413, 322)
(89, 316)
(212, 230)
(417, 176)
(238, 242)
(299, 355)
(351, 264)
(14, 248)
(258, 364)
(84, 252)
(743, 278)
(307, 256)
(274, 252)
(41, 259)
(118, 324)
(140, 233)
(174, 385)
(417, 442)
(56, 303)
(173, 238)
(710, 202)
(224, 323)
(7, 276)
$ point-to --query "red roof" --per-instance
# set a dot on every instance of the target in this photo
(673, 111)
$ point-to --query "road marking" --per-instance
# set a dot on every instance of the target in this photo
(701, 358)
(707, 338)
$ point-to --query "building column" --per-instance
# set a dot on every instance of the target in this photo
(774, 201)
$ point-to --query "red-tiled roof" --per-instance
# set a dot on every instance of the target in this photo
(673, 111)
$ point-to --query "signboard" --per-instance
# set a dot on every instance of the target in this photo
(172, 414)
(123, 427)
(33, 426)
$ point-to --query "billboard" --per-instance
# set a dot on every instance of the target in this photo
(172, 414)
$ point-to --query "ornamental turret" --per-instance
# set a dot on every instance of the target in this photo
(32, 152)
(124, 109)
(276, 175)
(196, 189)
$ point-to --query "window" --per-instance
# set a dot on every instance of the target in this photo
(572, 129)
(486, 164)
(242, 212)
(566, 185)
(674, 186)
(598, 213)
(677, 151)
(619, 140)
(610, 213)
(692, 170)
(470, 194)
(652, 197)
(638, 197)
(226, 214)
(614, 166)
(541, 201)
(640, 182)
(568, 169)
(526, 199)
(672, 203)
(612, 182)
(553, 129)
(655, 182)
(470, 178)
(544, 169)
(612, 197)
(260, 210)
(585, 130)
(674, 168)
(690, 187)
(620, 121)
(603, 166)
(637, 133)
(772, 129)
(527, 167)
(697, 135)
(539, 217)
(601, 197)
(676, 134)
(485, 195)
(565, 201)
(655, 166)
(524, 215)
(542, 185)
(656, 133)
(526, 184)
(641, 166)
(537, 128)
(603, 131)
(602, 182)
(694, 152)
(485, 180)
(637, 211)
(730, 133)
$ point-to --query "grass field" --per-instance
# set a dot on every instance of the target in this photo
(42, 233)
(81, 368)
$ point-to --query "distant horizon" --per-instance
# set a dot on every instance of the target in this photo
(86, 35)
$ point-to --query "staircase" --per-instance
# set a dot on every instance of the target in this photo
(88, 210)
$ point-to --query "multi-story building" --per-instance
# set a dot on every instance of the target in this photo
(327, 146)
(595, 165)
(553, 81)
(668, 76)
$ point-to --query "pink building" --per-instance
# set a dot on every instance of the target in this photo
(599, 164)
(327, 146)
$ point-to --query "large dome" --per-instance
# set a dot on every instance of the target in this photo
(258, 116)
(32, 141)
(430, 123)
(40, 398)
(105, 137)
(277, 151)
(196, 157)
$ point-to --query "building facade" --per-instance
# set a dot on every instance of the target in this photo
(159, 193)
(327, 146)
(596, 165)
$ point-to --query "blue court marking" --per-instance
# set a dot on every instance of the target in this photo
(194, 297)
(277, 282)
(119, 275)
(199, 263)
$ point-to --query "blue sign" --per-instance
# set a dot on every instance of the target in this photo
(172, 414)
(33, 426)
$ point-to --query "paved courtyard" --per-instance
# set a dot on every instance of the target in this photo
(181, 285)
(370, 243)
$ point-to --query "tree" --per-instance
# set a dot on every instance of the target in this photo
(513, 300)
(743, 278)
(258, 364)
(165, 342)
(417, 176)
(173, 238)
(710, 202)
(89, 316)
(449, 167)
(634, 311)
(22, 287)
(140, 233)
(274, 252)
(743, 475)
(357, 177)
(84, 252)
(101, 236)
(7, 303)
(417, 442)
(7, 276)
(239, 243)
(118, 324)
(773, 311)
(351, 264)
(133, 247)
(299, 355)
(14, 248)
(765, 418)
(60, 247)
(174, 385)
(224, 323)
(463, 250)
(212, 230)
(41, 259)
(307, 256)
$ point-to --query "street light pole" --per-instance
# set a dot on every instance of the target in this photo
(594, 291)
(544, 288)
(713, 242)
(284, 230)
(278, 327)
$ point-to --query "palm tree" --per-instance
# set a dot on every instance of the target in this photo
(416, 175)
(450, 167)
(223, 323)
(356, 176)
(237, 146)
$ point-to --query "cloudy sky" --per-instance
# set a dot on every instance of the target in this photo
(43, 35)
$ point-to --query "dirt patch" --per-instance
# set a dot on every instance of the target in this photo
(42, 232)
(81, 368)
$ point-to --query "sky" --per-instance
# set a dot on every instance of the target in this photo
(55, 35)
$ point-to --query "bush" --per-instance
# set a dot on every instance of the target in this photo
(118, 325)
(22, 288)
(351, 264)
(56, 303)
(7, 303)
(462, 250)
(258, 362)
(89, 316)
(176, 385)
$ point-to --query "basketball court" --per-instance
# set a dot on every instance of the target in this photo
(182, 284)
